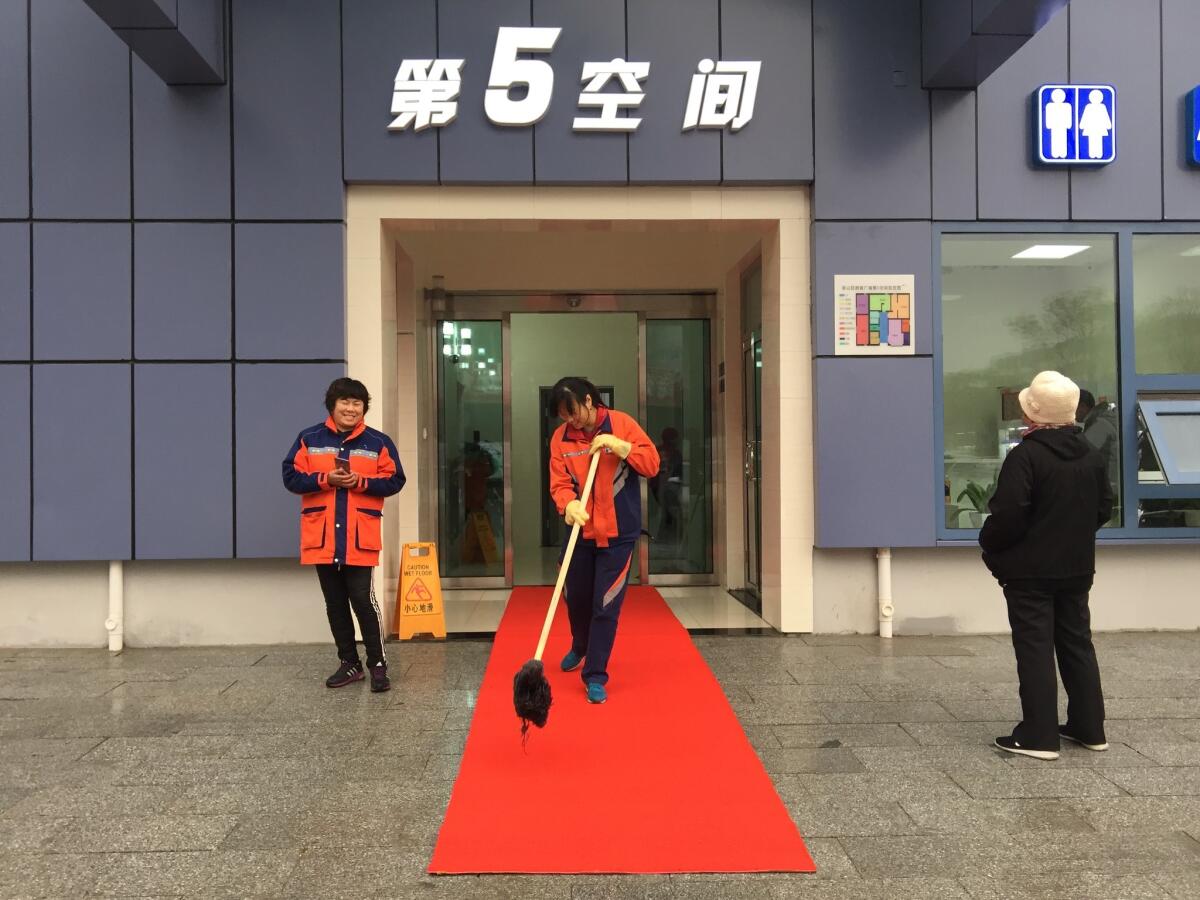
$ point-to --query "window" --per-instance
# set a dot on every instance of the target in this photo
(1166, 303)
(1172, 445)
(1012, 306)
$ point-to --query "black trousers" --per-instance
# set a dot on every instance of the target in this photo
(347, 587)
(1050, 617)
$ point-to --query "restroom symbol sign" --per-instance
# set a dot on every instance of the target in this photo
(1076, 124)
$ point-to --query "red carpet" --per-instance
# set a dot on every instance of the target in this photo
(660, 779)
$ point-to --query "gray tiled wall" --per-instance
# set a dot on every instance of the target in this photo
(182, 489)
(888, 153)
(205, 224)
(126, 259)
(82, 461)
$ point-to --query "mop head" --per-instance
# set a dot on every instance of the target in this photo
(531, 695)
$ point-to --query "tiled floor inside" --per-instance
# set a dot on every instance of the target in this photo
(233, 772)
(697, 608)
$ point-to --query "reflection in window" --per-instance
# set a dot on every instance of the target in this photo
(470, 449)
(678, 402)
(1012, 306)
(1166, 303)
(1169, 513)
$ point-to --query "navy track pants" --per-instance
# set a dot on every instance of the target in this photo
(595, 591)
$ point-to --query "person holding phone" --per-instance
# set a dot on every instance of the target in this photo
(343, 470)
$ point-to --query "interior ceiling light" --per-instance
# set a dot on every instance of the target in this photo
(1051, 251)
(1191, 251)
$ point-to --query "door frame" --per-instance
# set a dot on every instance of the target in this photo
(499, 306)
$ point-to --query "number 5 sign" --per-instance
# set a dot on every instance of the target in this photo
(426, 91)
(509, 71)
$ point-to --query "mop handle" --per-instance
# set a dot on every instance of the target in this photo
(562, 569)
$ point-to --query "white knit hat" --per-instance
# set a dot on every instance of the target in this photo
(1050, 399)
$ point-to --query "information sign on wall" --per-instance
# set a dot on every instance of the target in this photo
(1076, 124)
(873, 315)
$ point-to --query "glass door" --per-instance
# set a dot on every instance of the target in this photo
(470, 449)
(494, 358)
(679, 516)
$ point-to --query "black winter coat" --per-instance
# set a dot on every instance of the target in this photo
(1051, 497)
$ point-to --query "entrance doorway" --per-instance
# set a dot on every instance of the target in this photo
(497, 357)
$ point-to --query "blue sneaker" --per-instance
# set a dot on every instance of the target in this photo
(571, 661)
(596, 692)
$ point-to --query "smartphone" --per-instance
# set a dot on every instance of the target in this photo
(343, 463)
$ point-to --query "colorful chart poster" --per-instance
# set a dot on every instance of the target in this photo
(873, 315)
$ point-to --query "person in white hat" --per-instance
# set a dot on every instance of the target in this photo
(1039, 541)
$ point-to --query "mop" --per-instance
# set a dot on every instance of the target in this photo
(531, 690)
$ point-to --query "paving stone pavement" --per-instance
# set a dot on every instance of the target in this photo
(233, 772)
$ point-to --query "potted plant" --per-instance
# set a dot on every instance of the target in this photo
(978, 495)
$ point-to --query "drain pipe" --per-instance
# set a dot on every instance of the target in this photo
(115, 623)
(883, 556)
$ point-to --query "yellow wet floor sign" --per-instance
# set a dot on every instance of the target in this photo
(419, 609)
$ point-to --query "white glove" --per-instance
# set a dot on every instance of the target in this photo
(613, 443)
(575, 514)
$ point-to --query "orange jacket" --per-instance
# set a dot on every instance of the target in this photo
(615, 505)
(343, 526)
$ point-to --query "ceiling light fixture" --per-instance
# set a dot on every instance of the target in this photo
(1051, 251)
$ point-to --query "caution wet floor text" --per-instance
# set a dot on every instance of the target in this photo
(419, 609)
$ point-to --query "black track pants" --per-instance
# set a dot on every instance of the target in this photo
(345, 587)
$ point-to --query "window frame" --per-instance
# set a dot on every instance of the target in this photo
(1130, 383)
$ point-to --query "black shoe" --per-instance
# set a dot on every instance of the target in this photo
(1010, 743)
(347, 673)
(379, 679)
(1091, 745)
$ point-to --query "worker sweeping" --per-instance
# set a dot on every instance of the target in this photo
(598, 572)
(606, 450)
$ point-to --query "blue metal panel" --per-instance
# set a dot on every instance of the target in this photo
(14, 110)
(181, 144)
(1010, 187)
(778, 145)
(865, 248)
(274, 403)
(183, 461)
(872, 117)
(874, 440)
(1118, 44)
(290, 291)
(14, 290)
(14, 446)
(954, 175)
(472, 148)
(593, 31)
(182, 279)
(82, 462)
(674, 35)
(287, 110)
(376, 36)
(1180, 25)
(80, 114)
(82, 281)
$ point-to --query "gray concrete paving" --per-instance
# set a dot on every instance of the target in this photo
(233, 772)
